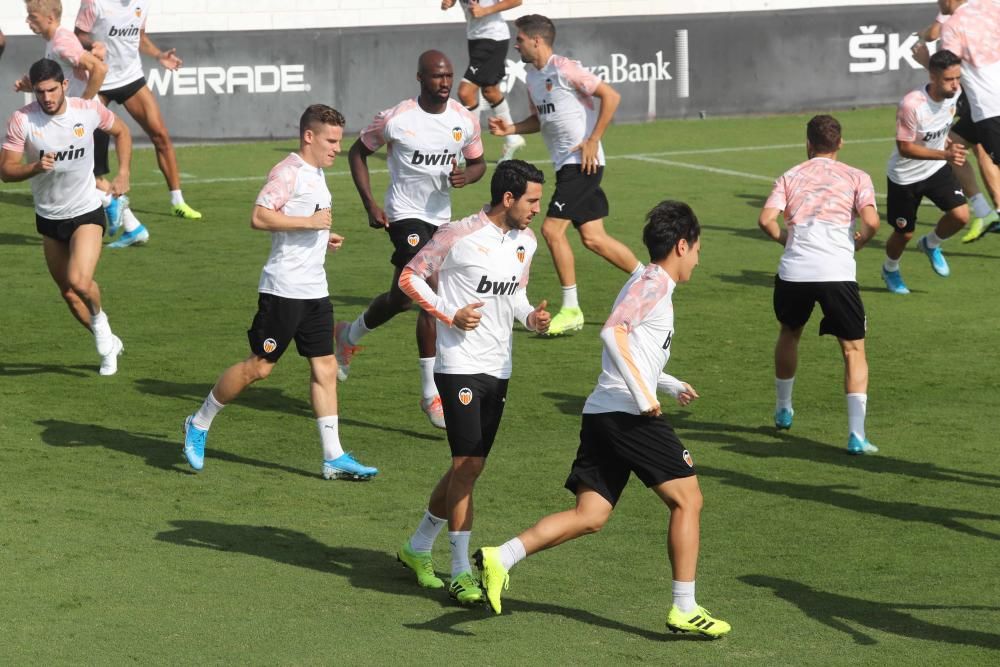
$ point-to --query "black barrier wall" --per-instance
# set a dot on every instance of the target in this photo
(250, 85)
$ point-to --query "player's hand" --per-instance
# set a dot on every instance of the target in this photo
(500, 128)
(377, 219)
(47, 163)
(22, 85)
(457, 176)
(169, 59)
(467, 318)
(920, 52)
(120, 185)
(653, 411)
(588, 155)
(954, 153)
(321, 219)
(476, 11)
(539, 319)
(447, 4)
(335, 242)
(99, 50)
(687, 395)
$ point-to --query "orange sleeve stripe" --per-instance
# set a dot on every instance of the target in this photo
(621, 340)
(406, 284)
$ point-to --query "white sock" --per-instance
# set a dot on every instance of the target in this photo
(423, 538)
(459, 552)
(206, 413)
(176, 198)
(684, 596)
(329, 433)
(932, 240)
(890, 264)
(104, 196)
(357, 329)
(980, 208)
(427, 386)
(639, 268)
(569, 297)
(512, 552)
(857, 406)
(783, 392)
(102, 333)
(130, 222)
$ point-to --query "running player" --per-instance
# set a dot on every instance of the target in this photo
(819, 199)
(921, 166)
(623, 430)
(425, 138)
(293, 301)
(56, 133)
(121, 25)
(482, 262)
(562, 95)
(489, 40)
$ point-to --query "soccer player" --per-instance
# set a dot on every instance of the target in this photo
(55, 132)
(921, 166)
(425, 137)
(294, 301)
(562, 95)
(489, 39)
(623, 429)
(819, 199)
(121, 25)
(482, 262)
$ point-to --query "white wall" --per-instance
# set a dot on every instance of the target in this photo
(201, 15)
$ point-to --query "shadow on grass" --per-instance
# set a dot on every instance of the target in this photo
(157, 451)
(265, 399)
(7, 238)
(24, 199)
(370, 570)
(837, 611)
(79, 370)
(568, 404)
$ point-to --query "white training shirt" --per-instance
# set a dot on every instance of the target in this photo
(421, 147)
(924, 122)
(487, 27)
(65, 48)
(637, 342)
(820, 199)
(562, 94)
(117, 23)
(68, 190)
(973, 34)
(294, 269)
(475, 262)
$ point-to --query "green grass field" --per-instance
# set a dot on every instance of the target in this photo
(112, 551)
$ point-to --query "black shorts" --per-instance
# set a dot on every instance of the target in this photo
(473, 405)
(408, 236)
(122, 93)
(964, 127)
(487, 61)
(988, 132)
(941, 187)
(62, 230)
(102, 143)
(279, 320)
(614, 444)
(843, 312)
(578, 196)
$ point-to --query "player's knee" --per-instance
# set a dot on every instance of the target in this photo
(592, 522)
(160, 138)
(257, 369)
(80, 284)
(552, 234)
(594, 243)
(961, 215)
(467, 469)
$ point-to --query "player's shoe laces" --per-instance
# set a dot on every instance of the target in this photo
(565, 321)
(137, 236)
(109, 361)
(343, 350)
(510, 146)
(936, 257)
(432, 408)
(465, 589)
(856, 445)
(346, 467)
(113, 213)
(783, 418)
(699, 620)
(894, 281)
(421, 564)
(494, 575)
(182, 210)
(194, 443)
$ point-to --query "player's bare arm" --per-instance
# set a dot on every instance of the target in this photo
(269, 220)
(768, 222)
(954, 152)
(96, 71)
(447, 4)
(168, 59)
(123, 148)
(13, 169)
(868, 228)
(479, 12)
(472, 172)
(501, 128)
(610, 98)
(357, 158)
(22, 85)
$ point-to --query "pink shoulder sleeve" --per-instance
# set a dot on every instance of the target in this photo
(279, 187)
(428, 261)
(952, 40)
(87, 16)
(373, 136)
(16, 131)
(865, 193)
(777, 198)
(473, 147)
(105, 115)
(906, 118)
(640, 300)
(527, 267)
(581, 78)
(67, 46)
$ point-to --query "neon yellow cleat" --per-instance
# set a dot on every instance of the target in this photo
(185, 211)
(465, 589)
(699, 620)
(978, 227)
(565, 321)
(420, 562)
(495, 577)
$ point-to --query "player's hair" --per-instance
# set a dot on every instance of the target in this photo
(45, 69)
(53, 7)
(536, 25)
(823, 133)
(513, 176)
(319, 114)
(942, 60)
(668, 223)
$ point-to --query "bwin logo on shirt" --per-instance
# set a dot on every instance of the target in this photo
(666, 343)
(127, 31)
(432, 159)
(497, 287)
(68, 154)
(545, 107)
